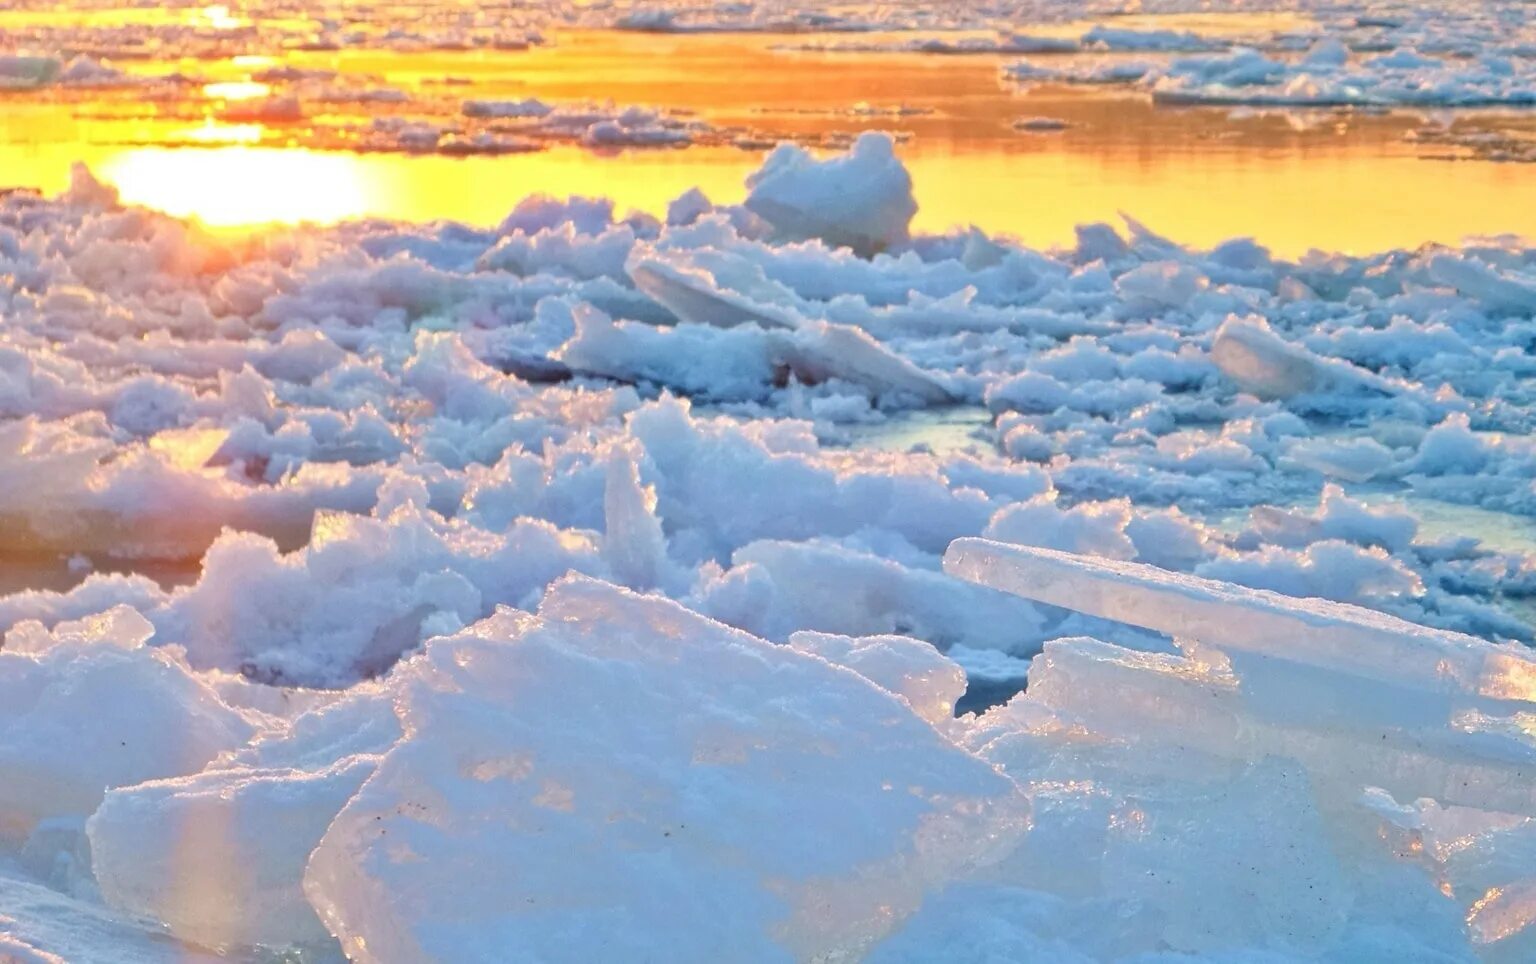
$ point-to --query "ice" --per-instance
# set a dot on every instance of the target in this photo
(528, 107)
(776, 587)
(1512, 292)
(1337, 517)
(1353, 460)
(1112, 38)
(740, 364)
(220, 856)
(145, 502)
(92, 708)
(1040, 124)
(1451, 448)
(1327, 568)
(633, 542)
(720, 486)
(1111, 69)
(1326, 79)
(823, 350)
(1334, 636)
(862, 199)
(42, 926)
(989, 667)
(657, 19)
(121, 626)
(27, 71)
(317, 728)
(693, 294)
(1283, 889)
(1151, 759)
(1097, 529)
(1259, 361)
(808, 824)
(1319, 690)
(910, 668)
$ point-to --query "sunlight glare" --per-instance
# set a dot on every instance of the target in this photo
(233, 187)
(236, 90)
(218, 17)
(213, 132)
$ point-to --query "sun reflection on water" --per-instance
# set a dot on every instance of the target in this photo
(217, 17)
(236, 90)
(230, 187)
(213, 132)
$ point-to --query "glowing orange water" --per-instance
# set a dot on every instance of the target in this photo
(1293, 181)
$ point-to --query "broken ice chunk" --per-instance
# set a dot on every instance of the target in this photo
(76, 720)
(1341, 729)
(910, 668)
(861, 199)
(1353, 460)
(775, 587)
(1334, 636)
(744, 363)
(1244, 863)
(633, 543)
(821, 350)
(220, 856)
(1502, 291)
(622, 779)
(121, 626)
(737, 364)
(692, 293)
(1261, 362)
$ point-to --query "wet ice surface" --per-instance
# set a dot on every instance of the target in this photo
(567, 583)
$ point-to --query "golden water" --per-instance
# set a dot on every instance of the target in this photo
(1294, 181)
